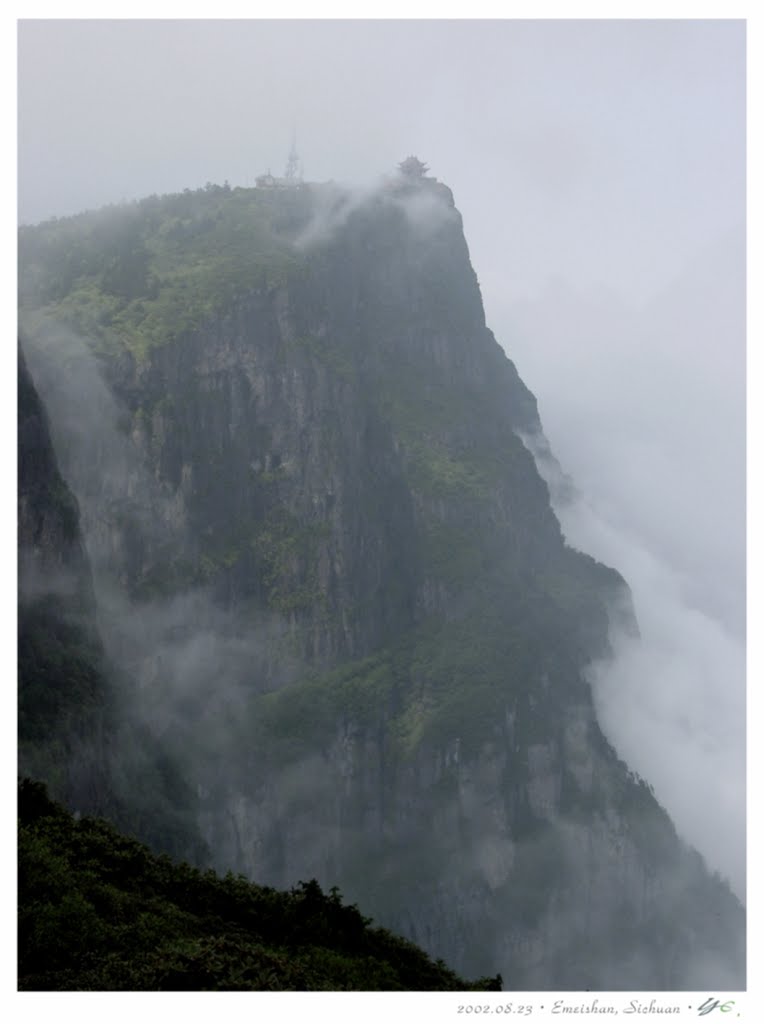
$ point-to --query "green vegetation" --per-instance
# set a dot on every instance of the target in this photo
(438, 473)
(287, 553)
(425, 411)
(277, 552)
(142, 274)
(98, 911)
(334, 356)
(452, 554)
(438, 683)
(292, 722)
(60, 674)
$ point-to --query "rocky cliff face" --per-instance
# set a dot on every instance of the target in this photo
(61, 678)
(328, 560)
(75, 729)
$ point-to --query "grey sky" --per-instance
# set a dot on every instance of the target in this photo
(610, 150)
(600, 170)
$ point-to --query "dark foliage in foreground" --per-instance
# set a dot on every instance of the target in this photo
(99, 911)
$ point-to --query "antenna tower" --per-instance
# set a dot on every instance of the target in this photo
(293, 170)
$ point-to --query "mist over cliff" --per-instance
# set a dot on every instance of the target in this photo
(332, 587)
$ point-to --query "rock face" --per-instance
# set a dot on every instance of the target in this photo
(61, 680)
(75, 730)
(327, 558)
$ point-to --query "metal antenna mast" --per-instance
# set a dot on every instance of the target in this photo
(293, 170)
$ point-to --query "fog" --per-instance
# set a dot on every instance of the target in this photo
(652, 431)
(600, 171)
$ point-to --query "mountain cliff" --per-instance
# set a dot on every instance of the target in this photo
(329, 574)
(62, 690)
(74, 728)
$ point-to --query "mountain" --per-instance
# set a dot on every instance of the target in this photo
(331, 582)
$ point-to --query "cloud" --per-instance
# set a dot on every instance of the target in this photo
(426, 211)
(645, 408)
(333, 205)
(672, 700)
